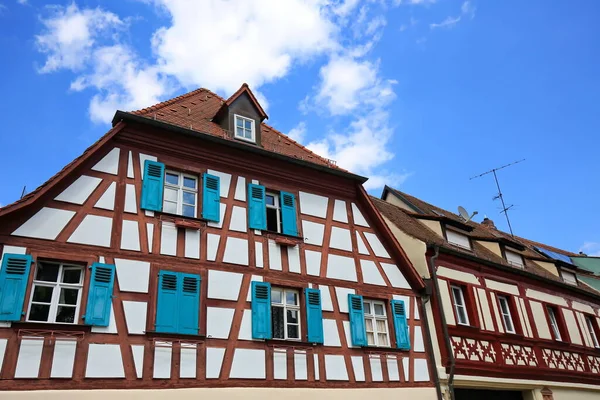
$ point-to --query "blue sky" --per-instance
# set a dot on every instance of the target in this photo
(418, 94)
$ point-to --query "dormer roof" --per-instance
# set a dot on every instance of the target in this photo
(245, 89)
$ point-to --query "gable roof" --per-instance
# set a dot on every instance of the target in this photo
(246, 89)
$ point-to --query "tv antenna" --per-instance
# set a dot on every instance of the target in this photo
(499, 195)
(465, 214)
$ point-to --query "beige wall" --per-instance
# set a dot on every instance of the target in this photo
(226, 394)
(491, 246)
(574, 394)
(414, 248)
(390, 198)
(433, 225)
(548, 267)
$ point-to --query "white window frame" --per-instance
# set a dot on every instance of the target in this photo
(589, 322)
(453, 237)
(252, 129)
(507, 319)
(459, 302)
(180, 189)
(512, 257)
(573, 281)
(54, 304)
(286, 307)
(554, 323)
(374, 318)
(277, 207)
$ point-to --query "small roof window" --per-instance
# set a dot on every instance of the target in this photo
(244, 128)
(458, 239)
(513, 258)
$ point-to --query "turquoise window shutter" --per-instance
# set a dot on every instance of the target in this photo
(400, 324)
(153, 186)
(357, 320)
(166, 307)
(188, 304)
(13, 284)
(314, 315)
(288, 214)
(99, 301)
(211, 198)
(261, 310)
(257, 209)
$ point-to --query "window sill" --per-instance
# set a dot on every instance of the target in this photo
(283, 239)
(170, 336)
(383, 349)
(50, 326)
(183, 222)
(288, 342)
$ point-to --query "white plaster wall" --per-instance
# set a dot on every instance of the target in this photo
(248, 364)
(135, 315)
(300, 365)
(393, 371)
(316, 366)
(109, 163)
(214, 361)
(133, 275)
(107, 200)
(163, 351)
(45, 224)
(326, 304)
(548, 298)
(80, 190)
(342, 298)
(446, 302)
(294, 259)
(457, 275)
(238, 219)
(335, 368)
(187, 364)
(362, 248)
(279, 364)
(93, 230)
(130, 172)
(376, 369)
(224, 285)
(168, 239)
(395, 276)
(539, 317)
(358, 217)
(130, 236)
(406, 367)
(348, 334)
(371, 273)
(478, 307)
(143, 158)
(258, 254)
(246, 326)
(485, 308)
(192, 243)
(130, 199)
(313, 233)
(225, 181)
(418, 344)
(274, 256)
(104, 361)
(358, 368)
(502, 287)
(212, 244)
(331, 336)
(236, 251)
(376, 245)
(340, 239)
(421, 373)
(341, 267)
(582, 307)
(313, 262)
(525, 318)
(150, 234)
(339, 211)
(240, 189)
(30, 355)
(218, 322)
(312, 204)
(63, 359)
(572, 326)
(138, 358)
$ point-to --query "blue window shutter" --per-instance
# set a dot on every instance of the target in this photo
(99, 301)
(314, 315)
(400, 324)
(153, 186)
(257, 209)
(288, 214)
(13, 284)
(357, 320)
(211, 198)
(189, 303)
(261, 310)
(166, 307)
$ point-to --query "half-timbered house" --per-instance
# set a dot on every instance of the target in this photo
(194, 250)
(509, 318)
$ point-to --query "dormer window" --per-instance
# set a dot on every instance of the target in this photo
(515, 259)
(458, 239)
(568, 277)
(244, 129)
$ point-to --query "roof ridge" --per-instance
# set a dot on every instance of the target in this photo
(146, 110)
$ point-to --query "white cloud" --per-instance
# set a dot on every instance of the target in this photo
(22, 2)
(345, 7)
(298, 133)
(70, 34)
(591, 248)
(467, 9)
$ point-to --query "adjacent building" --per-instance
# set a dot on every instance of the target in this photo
(510, 318)
(195, 251)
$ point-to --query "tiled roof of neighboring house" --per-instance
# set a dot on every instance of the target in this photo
(408, 221)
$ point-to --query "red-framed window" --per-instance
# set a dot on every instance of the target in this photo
(556, 322)
(591, 324)
(509, 314)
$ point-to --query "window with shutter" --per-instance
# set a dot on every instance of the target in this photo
(166, 308)
(211, 198)
(314, 315)
(357, 320)
(189, 302)
(13, 284)
(178, 303)
(261, 310)
(257, 214)
(152, 186)
(288, 214)
(100, 295)
(401, 325)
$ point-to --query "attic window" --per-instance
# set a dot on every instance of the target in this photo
(458, 239)
(513, 258)
(244, 128)
(568, 277)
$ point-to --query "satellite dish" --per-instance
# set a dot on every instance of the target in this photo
(464, 214)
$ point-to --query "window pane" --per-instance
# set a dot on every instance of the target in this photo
(170, 194)
(382, 339)
(189, 198)
(277, 322)
(381, 326)
(239, 131)
(248, 124)
(276, 296)
(272, 220)
(71, 276)
(169, 207)
(239, 122)
(503, 305)
(291, 298)
(370, 339)
(378, 309)
(172, 179)
(292, 316)
(367, 308)
(39, 312)
(189, 211)
(189, 182)
(47, 272)
(462, 316)
(369, 324)
(68, 296)
(293, 332)
(65, 314)
(42, 294)
(270, 200)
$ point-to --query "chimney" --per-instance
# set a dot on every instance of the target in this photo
(488, 222)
